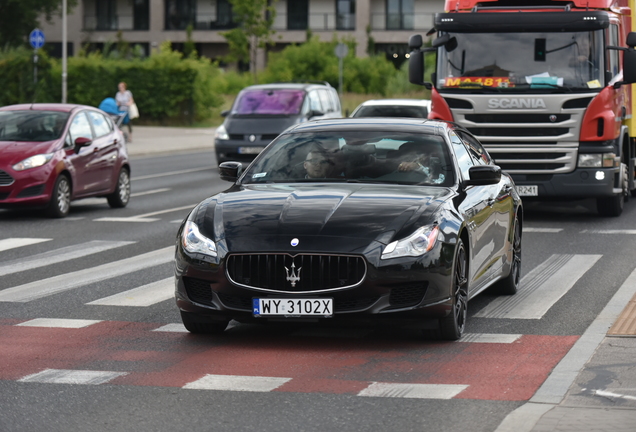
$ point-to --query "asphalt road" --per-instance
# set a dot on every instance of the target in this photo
(90, 337)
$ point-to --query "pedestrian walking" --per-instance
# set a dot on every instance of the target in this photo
(125, 102)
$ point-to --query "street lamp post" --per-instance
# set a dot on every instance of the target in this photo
(64, 51)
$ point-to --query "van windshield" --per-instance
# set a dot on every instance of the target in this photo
(269, 102)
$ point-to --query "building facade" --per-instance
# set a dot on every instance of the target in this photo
(148, 23)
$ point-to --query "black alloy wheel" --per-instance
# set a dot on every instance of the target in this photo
(198, 325)
(60, 203)
(121, 196)
(452, 326)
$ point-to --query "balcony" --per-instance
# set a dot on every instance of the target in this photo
(315, 21)
(114, 23)
(383, 21)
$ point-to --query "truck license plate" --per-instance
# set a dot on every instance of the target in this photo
(292, 307)
(528, 190)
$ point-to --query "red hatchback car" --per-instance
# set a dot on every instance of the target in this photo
(52, 154)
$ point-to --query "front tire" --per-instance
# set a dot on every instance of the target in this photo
(613, 206)
(121, 196)
(197, 325)
(452, 325)
(60, 203)
(510, 284)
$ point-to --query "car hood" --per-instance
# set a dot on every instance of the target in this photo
(12, 152)
(259, 125)
(346, 217)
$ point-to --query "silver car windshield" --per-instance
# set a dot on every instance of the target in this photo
(509, 62)
(32, 126)
(364, 157)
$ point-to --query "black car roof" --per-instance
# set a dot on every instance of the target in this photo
(409, 125)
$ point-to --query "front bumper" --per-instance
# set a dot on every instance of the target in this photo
(579, 184)
(29, 189)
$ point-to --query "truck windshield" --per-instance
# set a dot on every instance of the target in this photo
(519, 61)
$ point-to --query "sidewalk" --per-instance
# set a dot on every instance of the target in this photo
(592, 389)
(153, 140)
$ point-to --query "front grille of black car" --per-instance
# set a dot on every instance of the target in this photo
(407, 295)
(5, 179)
(198, 290)
(301, 273)
(31, 191)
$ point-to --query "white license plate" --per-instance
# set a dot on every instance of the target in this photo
(528, 190)
(249, 150)
(292, 307)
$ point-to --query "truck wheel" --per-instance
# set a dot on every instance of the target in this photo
(613, 206)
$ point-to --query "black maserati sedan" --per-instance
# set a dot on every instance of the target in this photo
(399, 220)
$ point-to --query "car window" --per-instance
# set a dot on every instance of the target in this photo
(475, 149)
(347, 156)
(80, 127)
(32, 125)
(100, 124)
(464, 160)
(314, 101)
(325, 100)
(268, 102)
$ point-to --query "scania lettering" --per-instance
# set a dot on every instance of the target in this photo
(546, 87)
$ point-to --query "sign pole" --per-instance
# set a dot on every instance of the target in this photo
(64, 51)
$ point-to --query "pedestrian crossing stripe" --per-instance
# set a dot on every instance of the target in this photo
(65, 376)
(58, 323)
(145, 295)
(12, 243)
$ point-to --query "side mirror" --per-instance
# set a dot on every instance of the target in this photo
(482, 175)
(415, 42)
(315, 113)
(629, 65)
(416, 68)
(225, 113)
(230, 171)
(631, 39)
(81, 142)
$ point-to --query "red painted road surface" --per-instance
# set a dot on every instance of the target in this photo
(492, 371)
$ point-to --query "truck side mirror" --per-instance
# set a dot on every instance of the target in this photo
(631, 39)
(629, 65)
(416, 69)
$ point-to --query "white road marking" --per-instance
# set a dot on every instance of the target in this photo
(58, 323)
(12, 243)
(144, 217)
(237, 383)
(542, 230)
(150, 192)
(65, 376)
(151, 176)
(605, 393)
(174, 328)
(413, 391)
(489, 338)
(56, 284)
(59, 255)
(541, 288)
(620, 232)
(145, 295)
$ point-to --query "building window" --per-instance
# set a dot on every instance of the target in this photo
(224, 14)
(106, 14)
(399, 14)
(298, 15)
(345, 15)
(141, 14)
(180, 14)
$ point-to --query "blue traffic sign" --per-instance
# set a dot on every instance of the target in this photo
(36, 38)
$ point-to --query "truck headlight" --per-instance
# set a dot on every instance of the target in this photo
(418, 243)
(597, 160)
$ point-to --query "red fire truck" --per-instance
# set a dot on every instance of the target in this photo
(545, 87)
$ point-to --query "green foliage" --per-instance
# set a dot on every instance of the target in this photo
(19, 17)
(166, 87)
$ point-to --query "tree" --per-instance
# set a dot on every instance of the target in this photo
(254, 19)
(19, 17)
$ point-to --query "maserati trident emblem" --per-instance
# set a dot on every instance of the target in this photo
(252, 138)
(295, 242)
(293, 277)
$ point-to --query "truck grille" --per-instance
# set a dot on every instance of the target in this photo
(518, 132)
(300, 273)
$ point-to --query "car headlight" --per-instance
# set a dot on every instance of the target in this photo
(221, 133)
(33, 162)
(195, 242)
(596, 160)
(418, 243)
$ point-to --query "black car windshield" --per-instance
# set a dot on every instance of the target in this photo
(355, 157)
(509, 62)
(269, 102)
(32, 126)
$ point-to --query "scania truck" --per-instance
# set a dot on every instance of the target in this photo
(545, 86)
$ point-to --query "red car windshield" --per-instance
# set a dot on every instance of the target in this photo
(269, 102)
(32, 126)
